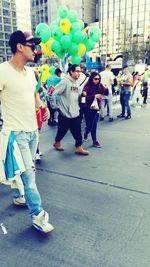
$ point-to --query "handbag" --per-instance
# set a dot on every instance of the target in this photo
(94, 104)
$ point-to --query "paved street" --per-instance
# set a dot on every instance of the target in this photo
(98, 204)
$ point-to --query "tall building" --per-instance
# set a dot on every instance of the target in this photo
(46, 10)
(23, 15)
(86, 9)
(7, 26)
(125, 26)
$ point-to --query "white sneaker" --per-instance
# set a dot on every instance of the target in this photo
(40, 222)
(40, 153)
(37, 156)
(19, 201)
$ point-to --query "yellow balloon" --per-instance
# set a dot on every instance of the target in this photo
(49, 52)
(65, 25)
(45, 47)
(45, 73)
(81, 49)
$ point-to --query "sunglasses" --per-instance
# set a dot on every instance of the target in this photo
(96, 79)
(32, 46)
(77, 71)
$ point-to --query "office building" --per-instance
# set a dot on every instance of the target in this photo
(8, 24)
(125, 26)
(23, 15)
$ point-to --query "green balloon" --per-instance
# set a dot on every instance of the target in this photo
(53, 25)
(81, 22)
(43, 31)
(72, 15)
(148, 75)
(57, 33)
(75, 59)
(65, 41)
(62, 12)
(78, 37)
(73, 49)
(56, 47)
(75, 26)
(52, 70)
(85, 37)
(60, 54)
(94, 34)
(89, 45)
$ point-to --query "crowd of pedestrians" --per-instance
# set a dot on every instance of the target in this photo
(64, 103)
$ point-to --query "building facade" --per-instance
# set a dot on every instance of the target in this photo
(23, 15)
(46, 10)
(8, 24)
(125, 26)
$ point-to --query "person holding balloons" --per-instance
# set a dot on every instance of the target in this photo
(69, 110)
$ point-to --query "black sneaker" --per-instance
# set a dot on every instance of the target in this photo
(111, 119)
(49, 123)
(85, 138)
(121, 116)
(101, 118)
(128, 117)
(54, 123)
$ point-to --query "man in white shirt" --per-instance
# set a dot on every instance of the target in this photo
(107, 79)
(18, 102)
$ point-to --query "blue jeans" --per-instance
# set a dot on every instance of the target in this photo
(124, 101)
(27, 142)
(91, 119)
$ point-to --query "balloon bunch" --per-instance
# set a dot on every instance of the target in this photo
(45, 73)
(67, 35)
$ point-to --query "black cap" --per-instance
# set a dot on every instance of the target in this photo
(23, 38)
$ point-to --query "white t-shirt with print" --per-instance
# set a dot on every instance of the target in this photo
(17, 94)
(107, 78)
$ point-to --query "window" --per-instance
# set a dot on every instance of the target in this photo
(6, 20)
(1, 35)
(7, 28)
(129, 2)
(6, 4)
(141, 24)
(14, 21)
(7, 35)
(8, 51)
(122, 4)
(128, 11)
(1, 43)
(13, 14)
(2, 51)
(122, 12)
(135, 9)
(142, 8)
(6, 12)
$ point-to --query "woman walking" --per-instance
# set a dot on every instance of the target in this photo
(93, 89)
